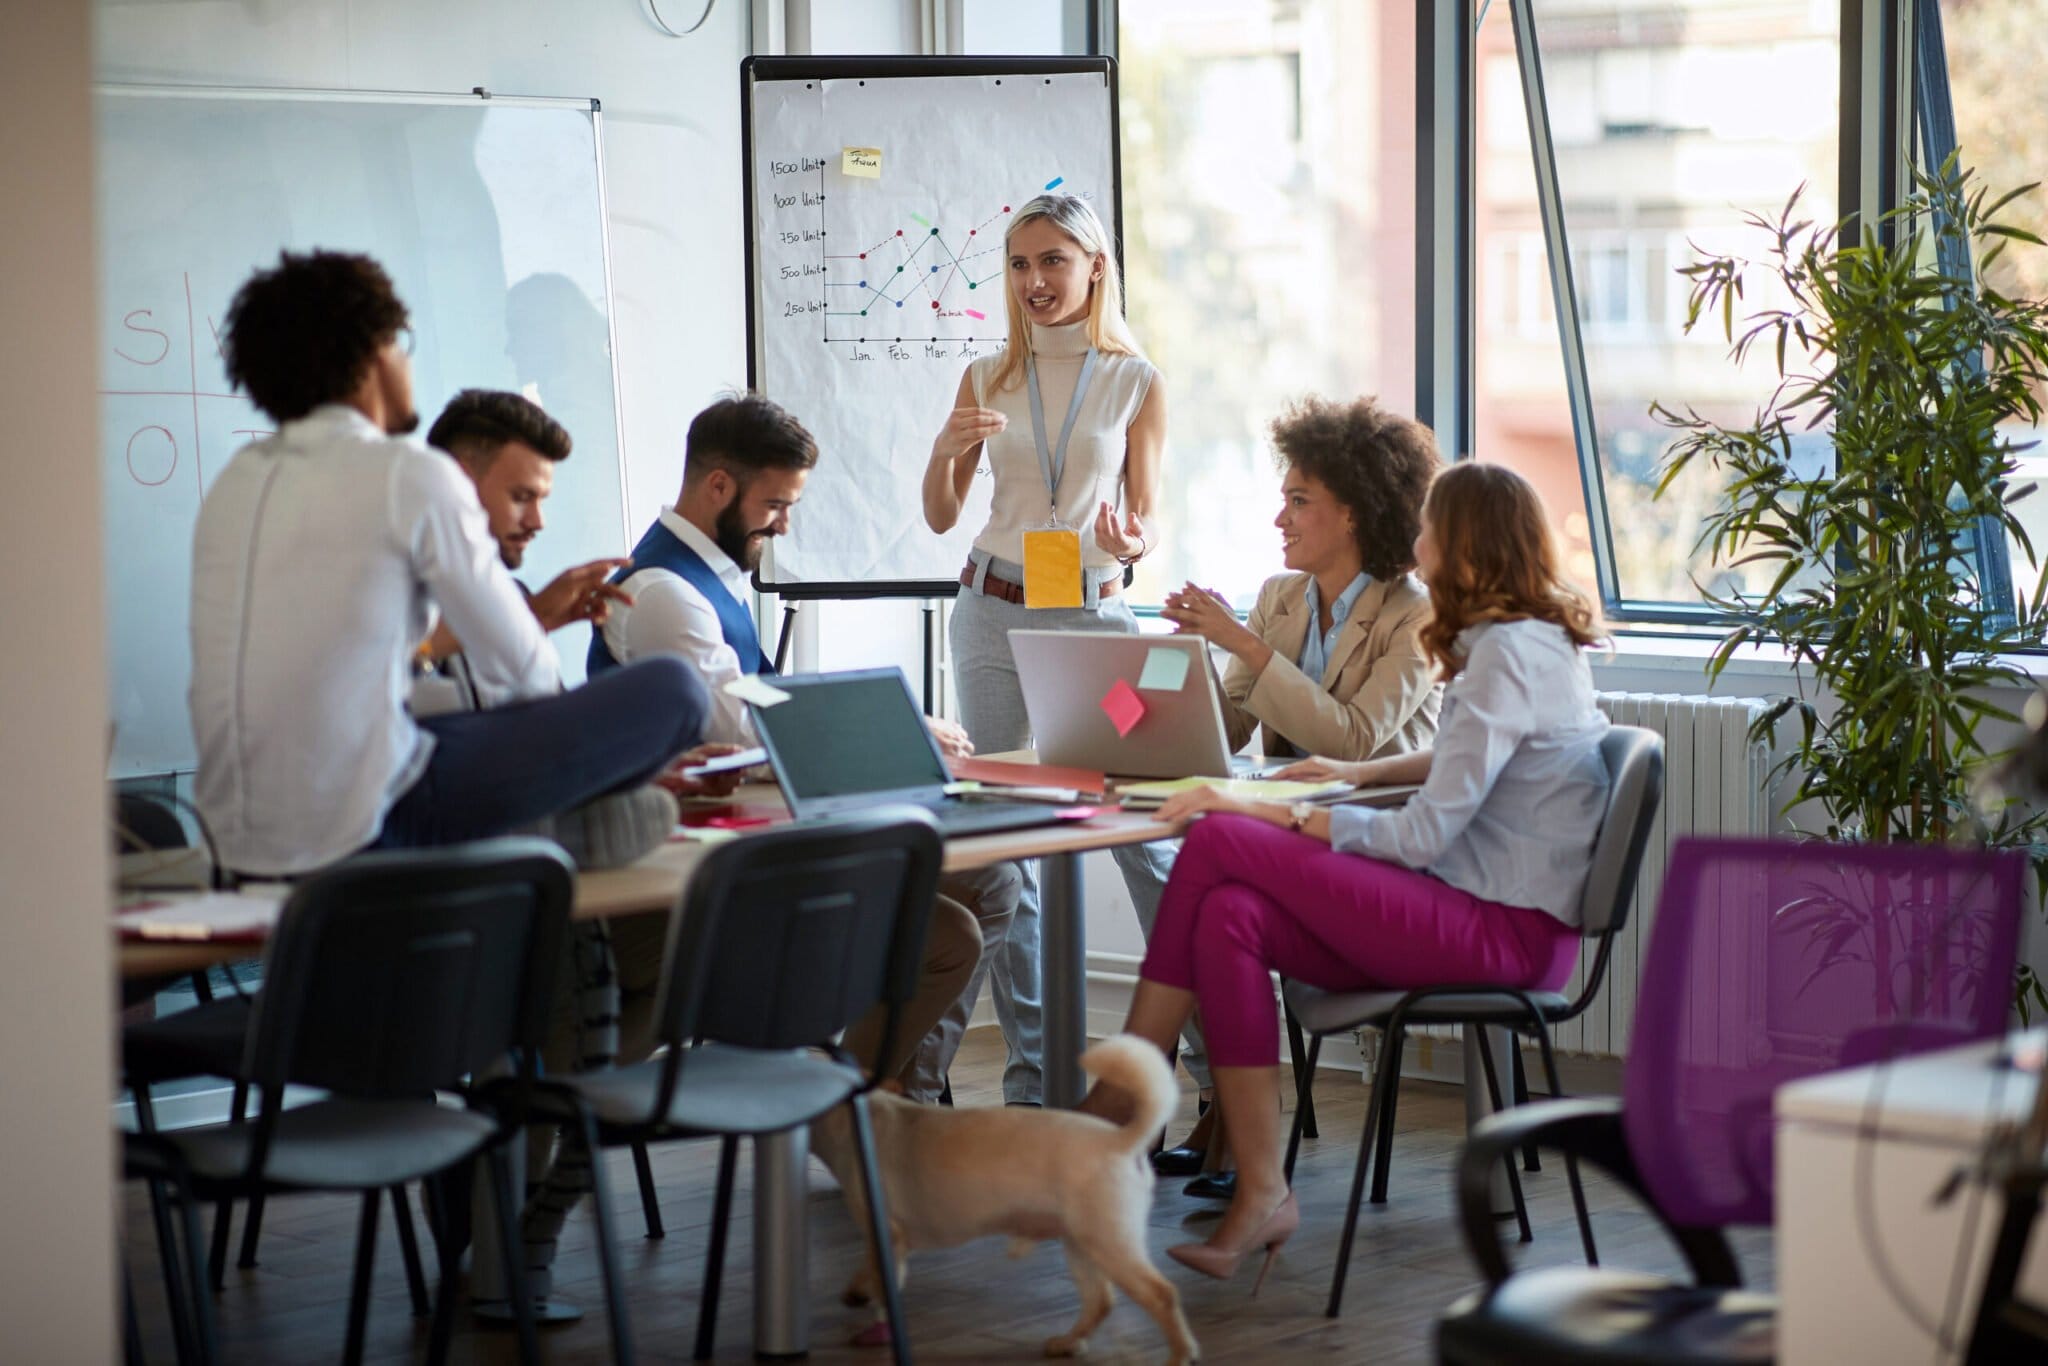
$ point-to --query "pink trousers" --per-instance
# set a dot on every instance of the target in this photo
(1247, 898)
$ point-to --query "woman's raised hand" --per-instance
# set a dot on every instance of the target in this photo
(966, 429)
(1122, 537)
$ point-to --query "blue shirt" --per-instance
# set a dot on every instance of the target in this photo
(1316, 646)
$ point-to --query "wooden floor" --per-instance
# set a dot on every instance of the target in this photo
(970, 1304)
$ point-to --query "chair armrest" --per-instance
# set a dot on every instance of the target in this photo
(1588, 1129)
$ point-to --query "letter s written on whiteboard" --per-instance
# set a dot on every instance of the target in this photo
(163, 339)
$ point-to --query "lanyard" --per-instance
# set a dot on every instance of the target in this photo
(1053, 463)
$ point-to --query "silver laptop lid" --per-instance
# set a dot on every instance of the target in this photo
(848, 741)
(1065, 676)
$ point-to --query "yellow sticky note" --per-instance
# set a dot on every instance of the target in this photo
(861, 161)
(1052, 569)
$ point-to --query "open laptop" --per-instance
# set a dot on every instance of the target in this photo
(848, 742)
(1066, 674)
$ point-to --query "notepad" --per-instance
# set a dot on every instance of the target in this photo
(1146, 796)
(1006, 772)
(248, 914)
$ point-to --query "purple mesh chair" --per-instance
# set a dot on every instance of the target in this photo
(1769, 961)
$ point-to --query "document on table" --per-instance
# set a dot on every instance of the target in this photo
(246, 914)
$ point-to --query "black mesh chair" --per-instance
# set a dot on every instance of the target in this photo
(1635, 770)
(388, 979)
(782, 940)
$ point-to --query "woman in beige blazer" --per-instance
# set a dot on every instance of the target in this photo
(1331, 661)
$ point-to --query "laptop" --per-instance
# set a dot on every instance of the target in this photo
(1065, 676)
(848, 742)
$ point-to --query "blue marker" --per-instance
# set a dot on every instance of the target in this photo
(1055, 182)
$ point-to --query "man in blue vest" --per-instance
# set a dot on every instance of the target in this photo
(745, 462)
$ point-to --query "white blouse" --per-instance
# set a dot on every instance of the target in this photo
(1095, 452)
(1516, 785)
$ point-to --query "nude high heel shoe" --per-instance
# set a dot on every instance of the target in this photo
(1221, 1261)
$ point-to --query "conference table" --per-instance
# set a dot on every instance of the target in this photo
(656, 882)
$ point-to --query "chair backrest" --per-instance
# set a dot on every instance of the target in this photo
(401, 973)
(143, 822)
(1635, 786)
(1772, 960)
(785, 938)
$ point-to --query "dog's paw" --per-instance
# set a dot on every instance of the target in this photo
(875, 1334)
(1066, 1345)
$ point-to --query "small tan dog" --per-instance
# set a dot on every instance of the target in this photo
(952, 1176)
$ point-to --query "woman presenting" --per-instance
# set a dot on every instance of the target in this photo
(1072, 419)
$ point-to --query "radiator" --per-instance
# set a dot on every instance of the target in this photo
(1716, 782)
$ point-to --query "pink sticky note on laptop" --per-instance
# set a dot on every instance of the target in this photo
(1124, 708)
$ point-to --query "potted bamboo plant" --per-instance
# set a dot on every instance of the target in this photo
(1862, 565)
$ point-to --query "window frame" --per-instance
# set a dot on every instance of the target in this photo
(1893, 89)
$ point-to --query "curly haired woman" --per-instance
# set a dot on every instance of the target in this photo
(1476, 879)
(1331, 661)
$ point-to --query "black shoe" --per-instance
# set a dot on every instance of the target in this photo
(1215, 1186)
(1182, 1161)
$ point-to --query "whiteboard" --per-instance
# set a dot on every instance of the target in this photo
(489, 216)
(869, 295)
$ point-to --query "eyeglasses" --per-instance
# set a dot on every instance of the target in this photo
(405, 339)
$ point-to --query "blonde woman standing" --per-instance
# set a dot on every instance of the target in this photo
(1072, 420)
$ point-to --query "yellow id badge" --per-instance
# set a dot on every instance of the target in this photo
(1052, 568)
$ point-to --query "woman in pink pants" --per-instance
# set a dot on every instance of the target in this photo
(1476, 880)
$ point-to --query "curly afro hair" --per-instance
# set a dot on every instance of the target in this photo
(1375, 462)
(302, 334)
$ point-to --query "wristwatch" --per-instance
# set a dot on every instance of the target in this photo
(1298, 814)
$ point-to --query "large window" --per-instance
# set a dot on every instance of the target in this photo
(1668, 121)
(1971, 54)
(1270, 207)
(1269, 222)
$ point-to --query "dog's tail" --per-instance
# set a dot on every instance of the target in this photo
(1136, 1068)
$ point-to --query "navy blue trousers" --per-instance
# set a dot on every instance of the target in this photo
(497, 770)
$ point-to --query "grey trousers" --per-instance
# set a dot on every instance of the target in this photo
(992, 709)
(1145, 868)
(991, 894)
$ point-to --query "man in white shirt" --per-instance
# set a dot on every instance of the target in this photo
(745, 463)
(509, 447)
(317, 556)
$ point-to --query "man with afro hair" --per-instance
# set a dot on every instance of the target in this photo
(320, 557)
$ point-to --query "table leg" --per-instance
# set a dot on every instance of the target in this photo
(1477, 1104)
(781, 1244)
(486, 1272)
(1063, 977)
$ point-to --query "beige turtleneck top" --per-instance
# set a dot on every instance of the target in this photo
(1095, 452)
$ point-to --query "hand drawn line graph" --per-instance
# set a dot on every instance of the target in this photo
(925, 281)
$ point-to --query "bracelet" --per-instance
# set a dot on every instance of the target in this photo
(1143, 551)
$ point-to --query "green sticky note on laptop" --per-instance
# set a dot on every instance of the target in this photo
(1165, 670)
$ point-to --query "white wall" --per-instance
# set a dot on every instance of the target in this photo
(56, 998)
(672, 150)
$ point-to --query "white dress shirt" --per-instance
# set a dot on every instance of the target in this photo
(314, 561)
(1516, 785)
(670, 616)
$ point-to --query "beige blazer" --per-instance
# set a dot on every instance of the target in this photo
(1378, 695)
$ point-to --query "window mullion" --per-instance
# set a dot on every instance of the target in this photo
(1564, 289)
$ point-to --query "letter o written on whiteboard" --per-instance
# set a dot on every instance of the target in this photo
(169, 470)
